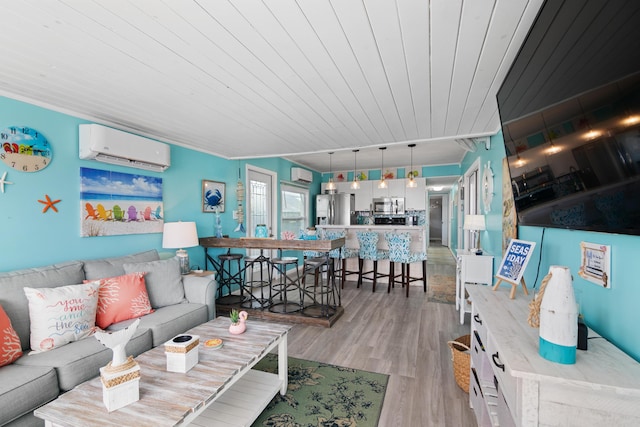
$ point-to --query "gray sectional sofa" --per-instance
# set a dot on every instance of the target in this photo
(33, 380)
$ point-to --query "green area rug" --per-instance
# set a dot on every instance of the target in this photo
(322, 395)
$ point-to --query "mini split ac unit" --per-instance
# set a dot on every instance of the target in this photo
(116, 147)
(301, 175)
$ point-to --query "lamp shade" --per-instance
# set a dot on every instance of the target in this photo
(474, 222)
(177, 235)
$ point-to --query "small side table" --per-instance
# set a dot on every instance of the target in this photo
(203, 273)
(471, 268)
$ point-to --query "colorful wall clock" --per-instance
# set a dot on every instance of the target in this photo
(24, 149)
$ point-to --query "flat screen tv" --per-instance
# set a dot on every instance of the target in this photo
(570, 113)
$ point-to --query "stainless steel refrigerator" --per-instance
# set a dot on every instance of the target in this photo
(335, 209)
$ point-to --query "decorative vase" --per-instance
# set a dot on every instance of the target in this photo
(261, 230)
(241, 326)
(559, 318)
(218, 227)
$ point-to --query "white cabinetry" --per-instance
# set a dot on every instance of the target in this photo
(512, 385)
(416, 198)
(396, 187)
(471, 268)
(363, 196)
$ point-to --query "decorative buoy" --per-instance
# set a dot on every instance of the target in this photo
(559, 318)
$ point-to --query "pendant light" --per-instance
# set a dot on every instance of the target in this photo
(553, 149)
(330, 185)
(355, 184)
(383, 183)
(412, 182)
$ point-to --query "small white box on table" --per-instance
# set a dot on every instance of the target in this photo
(120, 385)
(182, 353)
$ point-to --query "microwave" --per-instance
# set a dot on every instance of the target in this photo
(388, 206)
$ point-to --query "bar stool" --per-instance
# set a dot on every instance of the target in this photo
(252, 284)
(368, 241)
(284, 285)
(324, 293)
(347, 253)
(400, 252)
(226, 279)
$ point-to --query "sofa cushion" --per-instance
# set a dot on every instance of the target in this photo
(122, 298)
(14, 301)
(110, 267)
(167, 322)
(23, 388)
(164, 281)
(10, 348)
(80, 361)
(61, 315)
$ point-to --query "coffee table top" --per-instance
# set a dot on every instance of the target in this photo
(168, 398)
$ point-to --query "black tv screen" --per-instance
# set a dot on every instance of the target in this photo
(570, 113)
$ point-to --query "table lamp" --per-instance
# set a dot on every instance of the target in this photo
(179, 235)
(475, 224)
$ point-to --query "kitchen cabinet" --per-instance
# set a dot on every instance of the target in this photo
(416, 198)
(512, 385)
(379, 192)
(364, 196)
(396, 187)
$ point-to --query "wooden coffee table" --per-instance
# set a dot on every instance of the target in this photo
(221, 389)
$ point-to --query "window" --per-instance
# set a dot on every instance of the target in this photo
(295, 208)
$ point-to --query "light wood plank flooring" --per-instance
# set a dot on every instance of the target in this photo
(403, 337)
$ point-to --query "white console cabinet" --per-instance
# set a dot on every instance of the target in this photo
(471, 268)
(512, 385)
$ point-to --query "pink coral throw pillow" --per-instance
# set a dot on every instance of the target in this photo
(10, 348)
(122, 298)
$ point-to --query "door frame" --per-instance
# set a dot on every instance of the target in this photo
(273, 214)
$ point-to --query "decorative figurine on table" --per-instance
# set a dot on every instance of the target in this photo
(218, 226)
(121, 377)
(240, 210)
(238, 319)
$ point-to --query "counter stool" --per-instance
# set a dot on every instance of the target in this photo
(226, 279)
(323, 293)
(252, 283)
(346, 254)
(368, 241)
(400, 252)
(284, 285)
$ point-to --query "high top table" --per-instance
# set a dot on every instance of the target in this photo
(221, 389)
(321, 245)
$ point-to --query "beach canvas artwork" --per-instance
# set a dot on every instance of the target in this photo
(116, 203)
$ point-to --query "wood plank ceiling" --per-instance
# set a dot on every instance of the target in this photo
(263, 78)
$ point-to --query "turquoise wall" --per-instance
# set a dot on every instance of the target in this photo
(31, 238)
(613, 312)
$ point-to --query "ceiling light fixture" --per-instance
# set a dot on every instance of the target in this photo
(355, 184)
(330, 185)
(383, 183)
(591, 133)
(412, 182)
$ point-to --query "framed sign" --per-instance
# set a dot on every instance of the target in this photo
(515, 261)
(595, 263)
(213, 196)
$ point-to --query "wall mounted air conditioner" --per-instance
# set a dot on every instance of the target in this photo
(116, 147)
(301, 175)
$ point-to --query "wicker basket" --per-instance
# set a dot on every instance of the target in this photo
(461, 360)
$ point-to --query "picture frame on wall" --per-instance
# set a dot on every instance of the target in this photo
(213, 196)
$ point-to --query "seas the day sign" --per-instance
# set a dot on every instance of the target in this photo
(515, 260)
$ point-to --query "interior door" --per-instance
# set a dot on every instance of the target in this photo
(261, 201)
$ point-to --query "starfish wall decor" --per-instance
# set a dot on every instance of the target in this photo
(49, 203)
(4, 181)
